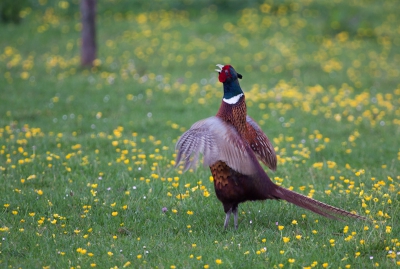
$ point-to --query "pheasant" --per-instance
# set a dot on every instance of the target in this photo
(232, 144)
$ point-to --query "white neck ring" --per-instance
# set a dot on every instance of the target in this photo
(233, 100)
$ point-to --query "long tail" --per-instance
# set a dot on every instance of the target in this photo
(314, 205)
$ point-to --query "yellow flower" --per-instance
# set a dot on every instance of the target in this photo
(126, 264)
(206, 193)
(325, 265)
(83, 251)
(286, 239)
(4, 229)
(189, 212)
(294, 222)
(115, 213)
(280, 227)
(139, 256)
(110, 253)
(291, 260)
(24, 75)
(218, 261)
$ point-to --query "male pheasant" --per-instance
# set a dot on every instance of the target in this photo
(232, 143)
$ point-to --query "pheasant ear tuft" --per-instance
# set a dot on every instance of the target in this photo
(239, 76)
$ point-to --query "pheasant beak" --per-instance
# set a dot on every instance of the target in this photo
(219, 69)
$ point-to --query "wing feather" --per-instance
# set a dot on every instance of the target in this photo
(216, 141)
(261, 145)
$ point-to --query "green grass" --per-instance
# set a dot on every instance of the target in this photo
(86, 155)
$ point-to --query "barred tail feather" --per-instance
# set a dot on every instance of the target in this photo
(314, 205)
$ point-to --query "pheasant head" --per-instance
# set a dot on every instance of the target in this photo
(229, 77)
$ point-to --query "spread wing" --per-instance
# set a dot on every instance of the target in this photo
(261, 145)
(217, 141)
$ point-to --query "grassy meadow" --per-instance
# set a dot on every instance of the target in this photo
(87, 155)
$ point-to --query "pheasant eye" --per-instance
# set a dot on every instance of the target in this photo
(222, 77)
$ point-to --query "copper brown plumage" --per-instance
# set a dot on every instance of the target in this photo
(232, 144)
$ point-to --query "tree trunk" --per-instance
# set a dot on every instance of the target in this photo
(88, 49)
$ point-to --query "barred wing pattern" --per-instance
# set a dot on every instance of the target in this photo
(261, 146)
(217, 141)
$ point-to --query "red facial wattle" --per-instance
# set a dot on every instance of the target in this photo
(224, 74)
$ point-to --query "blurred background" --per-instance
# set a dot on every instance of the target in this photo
(153, 61)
